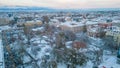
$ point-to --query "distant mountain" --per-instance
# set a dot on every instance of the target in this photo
(23, 8)
(46, 9)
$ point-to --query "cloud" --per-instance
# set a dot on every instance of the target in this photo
(64, 3)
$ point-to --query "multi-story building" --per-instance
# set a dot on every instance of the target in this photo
(115, 32)
(4, 21)
(32, 23)
(72, 26)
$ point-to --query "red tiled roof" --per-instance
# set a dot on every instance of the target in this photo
(79, 45)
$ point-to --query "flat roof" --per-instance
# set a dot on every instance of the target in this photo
(72, 24)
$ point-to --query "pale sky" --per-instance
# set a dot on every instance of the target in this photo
(63, 3)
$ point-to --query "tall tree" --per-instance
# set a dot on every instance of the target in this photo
(27, 32)
(45, 19)
(101, 32)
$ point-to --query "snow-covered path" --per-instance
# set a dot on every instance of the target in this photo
(1, 54)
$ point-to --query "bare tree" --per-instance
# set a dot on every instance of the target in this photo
(45, 19)
(27, 32)
(101, 32)
(69, 36)
(109, 43)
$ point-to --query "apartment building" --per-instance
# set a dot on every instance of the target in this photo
(115, 32)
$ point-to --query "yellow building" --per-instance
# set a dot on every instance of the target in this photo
(29, 25)
(32, 23)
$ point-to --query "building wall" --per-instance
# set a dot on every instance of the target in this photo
(116, 36)
(4, 21)
(116, 24)
(73, 29)
(92, 34)
(32, 24)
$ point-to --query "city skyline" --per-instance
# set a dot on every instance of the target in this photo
(74, 4)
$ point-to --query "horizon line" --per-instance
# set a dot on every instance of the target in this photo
(59, 8)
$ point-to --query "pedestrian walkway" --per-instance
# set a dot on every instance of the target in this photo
(1, 54)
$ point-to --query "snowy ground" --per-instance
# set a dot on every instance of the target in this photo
(1, 54)
(88, 65)
(109, 61)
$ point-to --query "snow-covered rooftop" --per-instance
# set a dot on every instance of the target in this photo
(72, 24)
(91, 22)
(5, 27)
(38, 29)
(33, 21)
